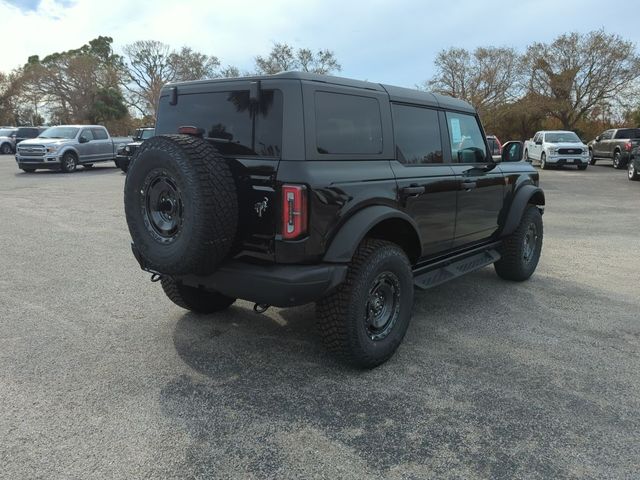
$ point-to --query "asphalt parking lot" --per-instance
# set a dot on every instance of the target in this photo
(102, 377)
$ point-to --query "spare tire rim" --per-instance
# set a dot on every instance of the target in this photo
(163, 207)
(383, 306)
(530, 242)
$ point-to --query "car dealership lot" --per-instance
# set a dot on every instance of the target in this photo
(102, 377)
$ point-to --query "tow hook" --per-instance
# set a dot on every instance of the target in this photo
(260, 307)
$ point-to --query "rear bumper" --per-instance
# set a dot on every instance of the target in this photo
(276, 285)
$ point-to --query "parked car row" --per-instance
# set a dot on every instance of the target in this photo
(65, 147)
(12, 136)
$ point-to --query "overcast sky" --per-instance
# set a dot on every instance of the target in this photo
(385, 41)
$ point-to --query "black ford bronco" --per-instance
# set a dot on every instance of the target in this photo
(296, 188)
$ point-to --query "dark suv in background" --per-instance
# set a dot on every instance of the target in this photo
(296, 188)
(126, 152)
(26, 133)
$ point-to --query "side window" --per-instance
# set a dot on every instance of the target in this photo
(86, 134)
(467, 142)
(227, 119)
(607, 135)
(99, 134)
(347, 124)
(32, 133)
(417, 135)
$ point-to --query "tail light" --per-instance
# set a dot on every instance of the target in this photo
(627, 146)
(294, 211)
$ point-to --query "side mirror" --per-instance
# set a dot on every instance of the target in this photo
(511, 152)
(83, 140)
(598, 138)
(538, 142)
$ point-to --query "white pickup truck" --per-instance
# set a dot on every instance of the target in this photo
(557, 148)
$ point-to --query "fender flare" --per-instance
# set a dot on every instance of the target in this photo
(521, 199)
(68, 149)
(353, 231)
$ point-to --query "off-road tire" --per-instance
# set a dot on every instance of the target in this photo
(633, 173)
(66, 165)
(513, 265)
(195, 299)
(342, 314)
(206, 203)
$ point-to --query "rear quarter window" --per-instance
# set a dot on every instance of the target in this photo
(234, 124)
(347, 124)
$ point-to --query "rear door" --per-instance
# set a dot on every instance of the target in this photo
(480, 185)
(248, 134)
(427, 183)
(103, 144)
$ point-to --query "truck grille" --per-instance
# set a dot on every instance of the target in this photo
(570, 151)
(31, 150)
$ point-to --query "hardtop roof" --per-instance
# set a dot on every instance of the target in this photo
(396, 94)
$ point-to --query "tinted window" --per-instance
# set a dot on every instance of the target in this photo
(99, 134)
(417, 134)
(628, 133)
(347, 124)
(227, 119)
(27, 132)
(467, 141)
(606, 135)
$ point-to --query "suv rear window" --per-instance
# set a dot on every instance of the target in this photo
(27, 132)
(227, 120)
(347, 124)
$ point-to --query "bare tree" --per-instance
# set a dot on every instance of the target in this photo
(151, 64)
(284, 57)
(577, 73)
(486, 78)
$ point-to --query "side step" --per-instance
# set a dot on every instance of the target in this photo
(455, 268)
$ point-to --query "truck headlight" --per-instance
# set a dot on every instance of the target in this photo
(553, 151)
(127, 149)
(53, 149)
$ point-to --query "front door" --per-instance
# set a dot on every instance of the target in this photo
(480, 193)
(427, 186)
(86, 146)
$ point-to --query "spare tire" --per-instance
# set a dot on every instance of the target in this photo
(181, 205)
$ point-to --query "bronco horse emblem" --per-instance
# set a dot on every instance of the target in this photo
(260, 207)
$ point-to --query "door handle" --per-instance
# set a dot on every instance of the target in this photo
(413, 190)
(469, 184)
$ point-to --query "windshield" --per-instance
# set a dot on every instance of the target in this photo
(7, 132)
(60, 132)
(561, 137)
(143, 134)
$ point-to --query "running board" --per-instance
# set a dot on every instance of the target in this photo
(454, 269)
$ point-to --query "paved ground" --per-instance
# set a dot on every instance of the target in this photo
(102, 377)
